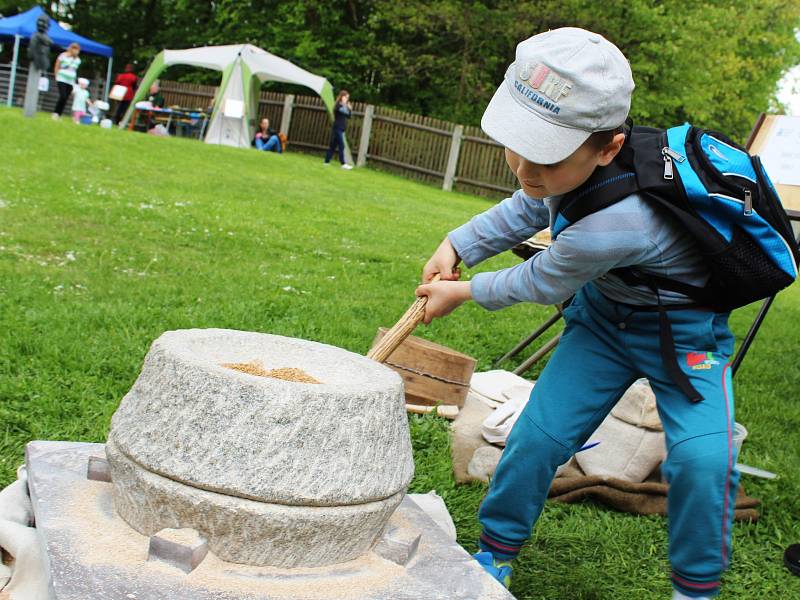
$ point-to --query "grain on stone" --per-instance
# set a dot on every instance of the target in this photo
(286, 374)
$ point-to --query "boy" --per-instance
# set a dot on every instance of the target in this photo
(559, 113)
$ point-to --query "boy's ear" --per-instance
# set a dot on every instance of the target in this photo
(610, 150)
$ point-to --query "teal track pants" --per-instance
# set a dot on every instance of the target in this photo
(605, 347)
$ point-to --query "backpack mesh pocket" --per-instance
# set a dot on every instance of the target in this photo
(743, 273)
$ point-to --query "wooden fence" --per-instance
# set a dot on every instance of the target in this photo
(430, 150)
(433, 151)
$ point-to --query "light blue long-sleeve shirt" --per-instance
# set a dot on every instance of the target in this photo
(628, 233)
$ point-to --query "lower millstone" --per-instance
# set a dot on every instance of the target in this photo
(246, 531)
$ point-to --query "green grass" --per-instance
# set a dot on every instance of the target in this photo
(107, 239)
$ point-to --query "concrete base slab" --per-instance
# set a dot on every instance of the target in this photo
(93, 553)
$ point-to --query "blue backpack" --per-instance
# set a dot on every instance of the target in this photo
(717, 192)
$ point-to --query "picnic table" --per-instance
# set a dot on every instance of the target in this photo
(190, 123)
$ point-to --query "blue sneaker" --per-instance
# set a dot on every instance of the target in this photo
(500, 570)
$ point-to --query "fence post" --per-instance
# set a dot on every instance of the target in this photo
(452, 158)
(286, 115)
(366, 129)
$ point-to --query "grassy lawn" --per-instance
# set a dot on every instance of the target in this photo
(107, 239)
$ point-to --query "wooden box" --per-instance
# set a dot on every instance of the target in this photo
(432, 373)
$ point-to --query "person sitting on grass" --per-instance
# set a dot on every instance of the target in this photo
(154, 96)
(80, 100)
(266, 139)
(560, 114)
(155, 99)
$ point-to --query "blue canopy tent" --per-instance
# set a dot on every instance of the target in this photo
(23, 26)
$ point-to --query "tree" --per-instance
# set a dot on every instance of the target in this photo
(713, 62)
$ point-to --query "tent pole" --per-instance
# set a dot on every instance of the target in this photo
(13, 79)
(108, 78)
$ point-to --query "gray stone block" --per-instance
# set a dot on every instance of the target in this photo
(246, 531)
(181, 548)
(94, 554)
(484, 462)
(398, 545)
(188, 418)
(98, 469)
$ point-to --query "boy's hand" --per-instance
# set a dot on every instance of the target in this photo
(444, 262)
(443, 297)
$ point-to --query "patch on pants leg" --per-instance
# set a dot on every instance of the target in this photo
(701, 361)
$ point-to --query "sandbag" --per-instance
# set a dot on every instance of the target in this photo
(484, 462)
(625, 451)
(465, 434)
(489, 386)
(433, 505)
(15, 505)
(496, 427)
(631, 439)
(28, 573)
(638, 406)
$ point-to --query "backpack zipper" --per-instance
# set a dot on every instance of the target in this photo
(670, 154)
(725, 181)
(748, 202)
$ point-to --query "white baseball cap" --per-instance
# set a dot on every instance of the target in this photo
(564, 85)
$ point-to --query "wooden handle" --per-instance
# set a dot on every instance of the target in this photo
(443, 410)
(401, 330)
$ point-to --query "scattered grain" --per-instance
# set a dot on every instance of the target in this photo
(99, 538)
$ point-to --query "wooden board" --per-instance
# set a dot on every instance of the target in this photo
(790, 194)
(431, 373)
(423, 355)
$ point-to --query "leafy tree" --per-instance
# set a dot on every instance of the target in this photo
(714, 62)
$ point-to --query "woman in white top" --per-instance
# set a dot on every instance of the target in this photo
(66, 72)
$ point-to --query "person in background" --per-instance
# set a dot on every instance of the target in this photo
(80, 100)
(156, 100)
(66, 72)
(155, 97)
(341, 112)
(266, 139)
(128, 80)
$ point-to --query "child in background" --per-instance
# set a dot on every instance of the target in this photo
(560, 114)
(80, 100)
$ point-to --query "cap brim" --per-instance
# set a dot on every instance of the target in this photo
(525, 132)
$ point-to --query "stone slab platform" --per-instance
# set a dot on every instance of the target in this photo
(94, 554)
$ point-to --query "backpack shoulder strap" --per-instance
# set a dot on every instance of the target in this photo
(606, 186)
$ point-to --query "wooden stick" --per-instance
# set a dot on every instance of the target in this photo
(401, 330)
(443, 410)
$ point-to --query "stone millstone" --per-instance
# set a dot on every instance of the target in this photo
(269, 472)
(246, 531)
(344, 441)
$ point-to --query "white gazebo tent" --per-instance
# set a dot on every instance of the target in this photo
(244, 68)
